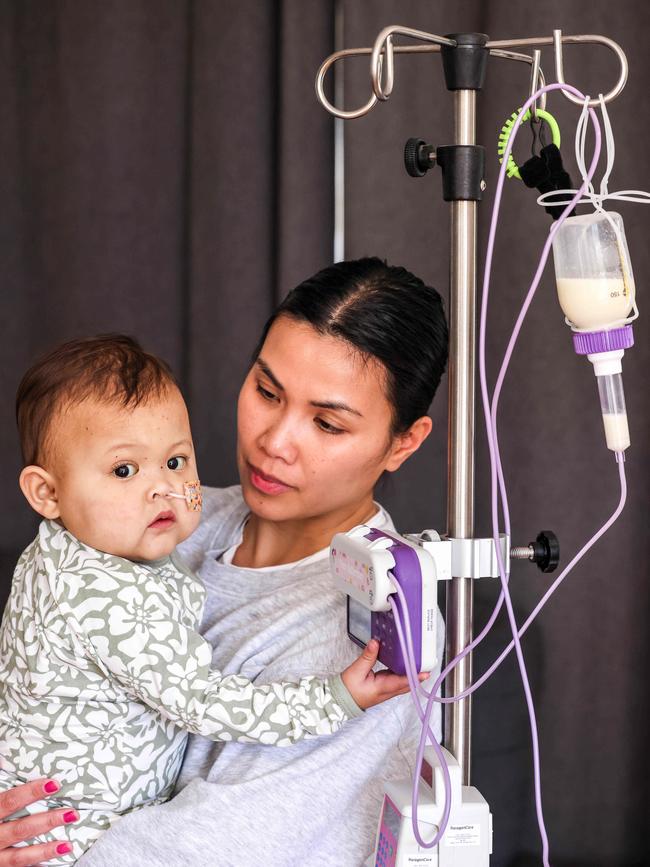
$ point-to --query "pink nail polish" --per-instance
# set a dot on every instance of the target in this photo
(70, 816)
(63, 849)
(51, 787)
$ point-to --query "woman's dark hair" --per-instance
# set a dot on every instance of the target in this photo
(385, 313)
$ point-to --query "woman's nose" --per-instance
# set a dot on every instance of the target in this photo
(279, 440)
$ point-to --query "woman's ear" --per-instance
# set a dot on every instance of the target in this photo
(405, 444)
(39, 488)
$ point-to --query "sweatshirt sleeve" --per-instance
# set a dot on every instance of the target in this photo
(130, 627)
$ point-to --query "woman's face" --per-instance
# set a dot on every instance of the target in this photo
(314, 427)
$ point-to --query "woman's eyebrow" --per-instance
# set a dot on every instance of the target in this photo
(318, 404)
(335, 405)
(266, 370)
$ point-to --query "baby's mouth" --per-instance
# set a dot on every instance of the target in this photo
(163, 520)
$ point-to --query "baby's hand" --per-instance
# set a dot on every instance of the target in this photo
(368, 688)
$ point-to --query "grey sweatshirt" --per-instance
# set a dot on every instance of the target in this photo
(312, 804)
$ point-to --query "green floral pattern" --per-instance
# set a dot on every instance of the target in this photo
(102, 674)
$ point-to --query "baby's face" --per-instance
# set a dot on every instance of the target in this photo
(112, 467)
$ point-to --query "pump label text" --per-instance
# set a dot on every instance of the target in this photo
(462, 835)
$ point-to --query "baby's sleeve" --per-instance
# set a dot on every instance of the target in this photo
(129, 626)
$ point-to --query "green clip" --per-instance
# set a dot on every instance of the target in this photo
(512, 169)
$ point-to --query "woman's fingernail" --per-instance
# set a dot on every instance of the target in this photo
(51, 787)
(63, 849)
(70, 816)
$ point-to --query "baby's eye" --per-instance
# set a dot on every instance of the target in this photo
(125, 471)
(176, 463)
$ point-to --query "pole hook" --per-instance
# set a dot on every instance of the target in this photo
(384, 45)
(385, 58)
(320, 86)
(558, 39)
(535, 82)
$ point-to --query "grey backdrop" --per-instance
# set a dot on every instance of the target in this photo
(165, 170)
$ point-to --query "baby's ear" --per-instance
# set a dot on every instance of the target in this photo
(39, 489)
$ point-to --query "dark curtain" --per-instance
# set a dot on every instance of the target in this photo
(165, 170)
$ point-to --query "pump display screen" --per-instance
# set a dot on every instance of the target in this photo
(359, 621)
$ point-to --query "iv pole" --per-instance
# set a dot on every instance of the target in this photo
(460, 446)
(464, 59)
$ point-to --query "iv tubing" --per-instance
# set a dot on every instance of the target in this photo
(491, 427)
(497, 473)
(406, 645)
(495, 461)
(490, 411)
(411, 669)
(620, 458)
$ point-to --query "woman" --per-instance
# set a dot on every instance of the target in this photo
(337, 395)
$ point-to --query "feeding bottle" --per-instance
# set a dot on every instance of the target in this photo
(595, 287)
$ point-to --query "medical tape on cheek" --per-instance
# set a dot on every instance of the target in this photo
(191, 494)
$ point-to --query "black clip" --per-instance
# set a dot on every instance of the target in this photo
(546, 173)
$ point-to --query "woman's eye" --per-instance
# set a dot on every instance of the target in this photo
(266, 394)
(178, 462)
(326, 427)
(125, 471)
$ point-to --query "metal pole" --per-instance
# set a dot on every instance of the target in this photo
(339, 140)
(460, 499)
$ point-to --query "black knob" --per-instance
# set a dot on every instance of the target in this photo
(546, 551)
(418, 157)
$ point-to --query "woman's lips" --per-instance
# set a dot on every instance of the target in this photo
(267, 484)
(163, 521)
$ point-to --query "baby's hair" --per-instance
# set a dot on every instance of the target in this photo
(112, 368)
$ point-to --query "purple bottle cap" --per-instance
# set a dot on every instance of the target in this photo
(590, 342)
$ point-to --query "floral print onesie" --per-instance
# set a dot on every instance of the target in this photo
(103, 674)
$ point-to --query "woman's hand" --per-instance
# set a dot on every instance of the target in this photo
(20, 830)
(369, 688)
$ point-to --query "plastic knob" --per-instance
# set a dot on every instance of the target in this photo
(546, 551)
(418, 157)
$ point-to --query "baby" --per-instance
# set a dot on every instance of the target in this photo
(102, 670)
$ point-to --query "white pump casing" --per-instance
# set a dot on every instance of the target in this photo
(360, 566)
(467, 841)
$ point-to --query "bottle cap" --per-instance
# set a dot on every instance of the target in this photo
(591, 342)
